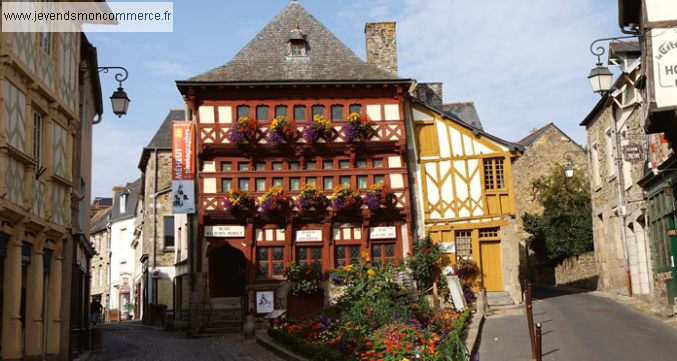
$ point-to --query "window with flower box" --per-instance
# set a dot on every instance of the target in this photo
(243, 184)
(383, 253)
(337, 112)
(295, 183)
(262, 113)
(378, 179)
(242, 111)
(361, 181)
(226, 184)
(299, 112)
(355, 108)
(345, 180)
(318, 110)
(281, 111)
(346, 255)
(260, 184)
(277, 182)
(270, 261)
(306, 255)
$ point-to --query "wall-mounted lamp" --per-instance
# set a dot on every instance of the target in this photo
(569, 168)
(119, 99)
(600, 77)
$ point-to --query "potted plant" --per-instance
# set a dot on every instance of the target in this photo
(317, 128)
(306, 277)
(243, 130)
(281, 128)
(129, 307)
(274, 200)
(311, 197)
(356, 127)
(345, 197)
(379, 195)
(113, 315)
(236, 200)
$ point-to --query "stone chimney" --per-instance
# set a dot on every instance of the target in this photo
(382, 45)
(430, 94)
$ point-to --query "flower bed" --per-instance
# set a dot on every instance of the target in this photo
(237, 200)
(306, 278)
(275, 199)
(376, 319)
(243, 130)
(378, 195)
(316, 129)
(356, 127)
(345, 197)
(311, 196)
(281, 128)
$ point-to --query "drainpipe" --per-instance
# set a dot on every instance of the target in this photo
(154, 285)
(621, 205)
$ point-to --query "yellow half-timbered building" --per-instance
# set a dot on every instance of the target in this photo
(464, 192)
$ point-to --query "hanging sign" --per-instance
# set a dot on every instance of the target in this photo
(663, 60)
(382, 232)
(633, 153)
(224, 231)
(660, 13)
(309, 236)
(183, 168)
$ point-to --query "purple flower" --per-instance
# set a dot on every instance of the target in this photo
(274, 139)
(226, 204)
(372, 201)
(335, 278)
(350, 133)
(339, 204)
(310, 134)
(237, 137)
(265, 205)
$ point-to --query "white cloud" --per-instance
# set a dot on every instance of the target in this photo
(166, 67)
(116, 154)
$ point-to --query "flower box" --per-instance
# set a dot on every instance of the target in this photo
(378, 196)
(244, 130)
(281, 128)
(237, 200)
(345, 198)
(311, 197)
(276, 199)
(357, 127)
(316, 129)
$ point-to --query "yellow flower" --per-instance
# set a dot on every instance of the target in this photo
(371, 273)
(404, 288)
(348, 268)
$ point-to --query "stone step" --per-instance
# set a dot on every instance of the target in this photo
(226, 303)
(499, 299)
(225, 323)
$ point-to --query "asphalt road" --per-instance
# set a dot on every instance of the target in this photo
(579, 326)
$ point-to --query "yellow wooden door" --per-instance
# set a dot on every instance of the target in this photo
(490, 266)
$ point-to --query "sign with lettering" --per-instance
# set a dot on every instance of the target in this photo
(382, 232)
(309, 236)
(183, 168)
(633, 153)
(660, 13)
(224, 231)
(448, 247)
(664, 58)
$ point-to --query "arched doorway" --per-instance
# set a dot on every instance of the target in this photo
(226, 272)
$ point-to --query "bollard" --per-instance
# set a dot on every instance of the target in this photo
(530, 319)
(539, 345)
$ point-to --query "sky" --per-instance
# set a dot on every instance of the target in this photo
(523, 62)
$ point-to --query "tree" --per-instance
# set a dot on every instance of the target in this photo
(565, 227)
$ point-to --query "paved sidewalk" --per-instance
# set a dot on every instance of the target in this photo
(505, 336)
(134, 341)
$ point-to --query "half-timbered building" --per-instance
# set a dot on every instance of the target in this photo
(295, 68)
(463, 190)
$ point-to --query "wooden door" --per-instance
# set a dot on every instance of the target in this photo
(491, 268)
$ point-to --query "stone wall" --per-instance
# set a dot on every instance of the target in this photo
(538, 161)
(382, 45)
(578, 272)
(163, 203)
(430, 94)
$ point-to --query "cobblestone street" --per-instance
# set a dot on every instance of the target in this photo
(134, 341)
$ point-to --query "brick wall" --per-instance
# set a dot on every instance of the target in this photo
(578, 272)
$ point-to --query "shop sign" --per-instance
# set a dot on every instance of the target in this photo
(660, 13)
(309, 236)
(447, 247)
(633, 153)
(224, 231)
(382, 232)
(663, 59)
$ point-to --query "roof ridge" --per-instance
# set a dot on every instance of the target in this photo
(536, 131)
(468, 102)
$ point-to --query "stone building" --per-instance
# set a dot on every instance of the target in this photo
(544, 149)
(614, 133)
(100, 237)
(50, 96)
(297, 69)
(163, 236)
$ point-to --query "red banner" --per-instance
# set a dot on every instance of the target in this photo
(183, 167)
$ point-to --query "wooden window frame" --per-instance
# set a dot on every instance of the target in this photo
(382, 245)
(347, 258)
(494, 174)
(270, 261)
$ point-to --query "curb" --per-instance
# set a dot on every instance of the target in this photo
(471, 342)
(276, 349)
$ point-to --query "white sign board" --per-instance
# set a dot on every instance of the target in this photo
(224, 231)
(382, 232)
(664, 47)
(456, 292)
(309, 236)
(661, 10)
(448, 247)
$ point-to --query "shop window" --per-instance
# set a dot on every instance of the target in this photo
(383, 253)
(346, 255)
(270, 261)
(306, 255)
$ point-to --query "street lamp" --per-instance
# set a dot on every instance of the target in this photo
(600, 77)
(119, 100)
(569, 168)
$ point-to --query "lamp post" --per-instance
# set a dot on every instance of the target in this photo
(119, 99)
(569, 168)
(600, 76)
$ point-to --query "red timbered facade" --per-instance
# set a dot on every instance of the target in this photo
(246, 250)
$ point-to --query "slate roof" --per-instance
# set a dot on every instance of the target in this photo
(624, 47)
(266, 59)
(99, 221)
(163, 137)
(131, 191)
(527, 141)
(102, 202)
(465, 111)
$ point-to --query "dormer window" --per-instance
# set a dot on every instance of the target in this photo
(298, 47)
